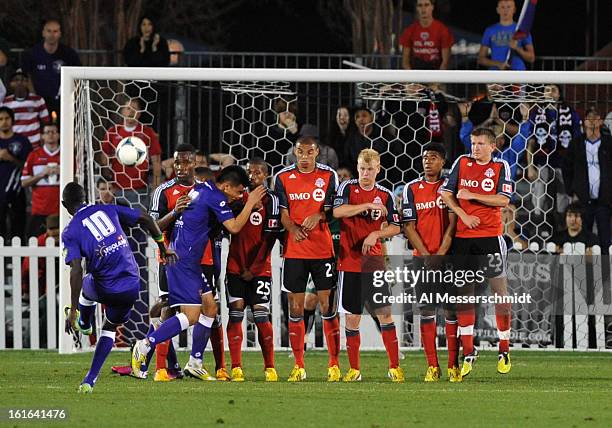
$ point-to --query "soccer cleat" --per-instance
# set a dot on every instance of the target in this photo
(198, 372)
(468, 363)
(139, 359)
(85, 388)
(122, 370)
(503, 363)
(297, 374)
(396, 374)
(334, 374)
(271, 375)
(433, 374)
(353, 375)
(175, 373)
(223, 375)
(237, 374)
(454, 374)
(162, 375)
(76, 326)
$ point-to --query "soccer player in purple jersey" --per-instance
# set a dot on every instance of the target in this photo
(187, 286)
(95, 234)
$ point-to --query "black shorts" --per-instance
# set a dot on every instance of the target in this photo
(357, 290)
(212, 280)
(491, 253)
(254, 292)
(162, 282)
(296, 271)
(434, 282)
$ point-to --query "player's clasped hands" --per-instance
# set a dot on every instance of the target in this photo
(169, 257)
(370, 241)
(378, 207)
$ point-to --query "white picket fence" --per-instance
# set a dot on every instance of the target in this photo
(14, 310)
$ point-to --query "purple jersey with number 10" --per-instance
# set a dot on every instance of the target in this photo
(95, 234)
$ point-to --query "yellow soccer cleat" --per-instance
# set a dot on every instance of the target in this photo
(396, 374)
(222, 375)
(237, 374)
(297, 374)
(139, 359)
(334, 374)
(468, 363)
(433, 374)
(162, 375)
(198, 372)
(454, 374)
(271, 375)
(503, 363)
(353, 375)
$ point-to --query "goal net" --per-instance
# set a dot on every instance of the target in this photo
(260, 113)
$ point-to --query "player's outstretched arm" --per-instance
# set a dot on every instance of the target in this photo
(235, 225)
(498, 200)
(76, 284)
(346, 210)
(166, 254)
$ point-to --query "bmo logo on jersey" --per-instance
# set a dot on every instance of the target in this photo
(438, 203)
(255, 219)
(318, 195)
(488, 184)
(469, 183)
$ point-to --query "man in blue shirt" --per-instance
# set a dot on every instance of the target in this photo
(44, 61)
(498, 38)
(95, 234)
(187, 285)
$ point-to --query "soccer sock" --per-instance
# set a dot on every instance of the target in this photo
(503, 316)
(296, 339)
(389, 337)
(452, 343)
(428, 339)
(331, 328)
(103, 348)
(201, 334)
(353, 342)
(309, 319)
(466, 317)
(172, 358)
(235, 336)
(169, 328)
(216, 339)
(87, 308)
(265, 336)
(161, 353)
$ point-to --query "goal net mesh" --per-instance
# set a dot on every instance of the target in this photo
(571, 296)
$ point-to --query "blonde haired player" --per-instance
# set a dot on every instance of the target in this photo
(367, 215)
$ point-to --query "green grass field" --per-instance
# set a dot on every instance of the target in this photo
(543, 389)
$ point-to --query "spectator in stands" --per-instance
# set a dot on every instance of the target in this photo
(512, 231)
(554, 126)
(344, 174)
(287, 124)
(327, 155)
(498, 49)
(148, 48)
(14, 150)
(508, 148)
(588, 175)
(44, 61)
(200, 159)
(51, 231)
(574, 232)
(131, 182)
(365, 136)
(106, 194)
(426, 42)
(30, 109)
(340, 129)
(41, 172)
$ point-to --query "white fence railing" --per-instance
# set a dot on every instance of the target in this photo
(30, 317)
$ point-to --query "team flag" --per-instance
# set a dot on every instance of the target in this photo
(525, 22)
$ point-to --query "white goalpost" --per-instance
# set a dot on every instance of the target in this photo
(91, 99)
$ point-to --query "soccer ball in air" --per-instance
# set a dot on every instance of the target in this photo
(131, 151)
